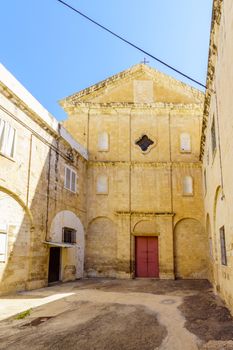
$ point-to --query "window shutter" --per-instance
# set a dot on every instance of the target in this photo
(73, 236)
(10, 142)
(7, 138)
(3, 239)
(73, 181)
(67, 178)
(2, 129)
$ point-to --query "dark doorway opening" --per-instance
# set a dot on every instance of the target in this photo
(54, 264)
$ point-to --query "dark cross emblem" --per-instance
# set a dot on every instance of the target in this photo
(144, 142)
(145, 61)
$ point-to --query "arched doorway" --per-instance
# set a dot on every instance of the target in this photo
(71, 260)
(146, 249)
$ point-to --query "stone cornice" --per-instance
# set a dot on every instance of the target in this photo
(23, 107)
(112, 107)
(145, 164)
(143, 214)
(213, 51)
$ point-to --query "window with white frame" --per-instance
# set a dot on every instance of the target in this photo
(102, 184)
(3, 246)
(7, 138)
(103, 141)
(70, 179)
(185, 142)
(188, 185)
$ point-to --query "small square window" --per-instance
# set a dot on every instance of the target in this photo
(69, 235)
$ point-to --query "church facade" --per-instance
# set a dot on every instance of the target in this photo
(137, 182)
(145, 214)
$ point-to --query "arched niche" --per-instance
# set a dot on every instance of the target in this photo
(15, 238)
(145, 227)
(190, 244)
(101, 248)
(74, 255)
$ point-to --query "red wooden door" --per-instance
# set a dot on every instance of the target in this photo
(147, 262)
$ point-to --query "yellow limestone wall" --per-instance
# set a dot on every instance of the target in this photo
(32, 193)
(145, 192)
(217, 165)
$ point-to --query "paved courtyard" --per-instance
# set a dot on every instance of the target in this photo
(108, 314)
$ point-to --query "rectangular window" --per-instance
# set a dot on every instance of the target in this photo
(69, 235)
(213, 136)
(3, 246)
(185, 143)
(223, 246)
(102, 184)
(70, 179)
(7, 138)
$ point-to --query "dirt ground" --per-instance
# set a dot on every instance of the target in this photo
(105, 314)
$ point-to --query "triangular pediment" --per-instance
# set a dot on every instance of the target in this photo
(139, 84)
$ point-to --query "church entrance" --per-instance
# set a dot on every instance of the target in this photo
(146, 256)
(54, 264)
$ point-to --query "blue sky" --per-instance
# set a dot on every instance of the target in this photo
(54, 52)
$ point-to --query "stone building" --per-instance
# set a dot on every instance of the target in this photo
(217, 150)
(42, 193)
(145, 216)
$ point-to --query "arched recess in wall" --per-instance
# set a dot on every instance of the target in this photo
(15, 235)
(145, 227)
(101, 248)
(69, 219)
(20, 201)
(190, 244)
